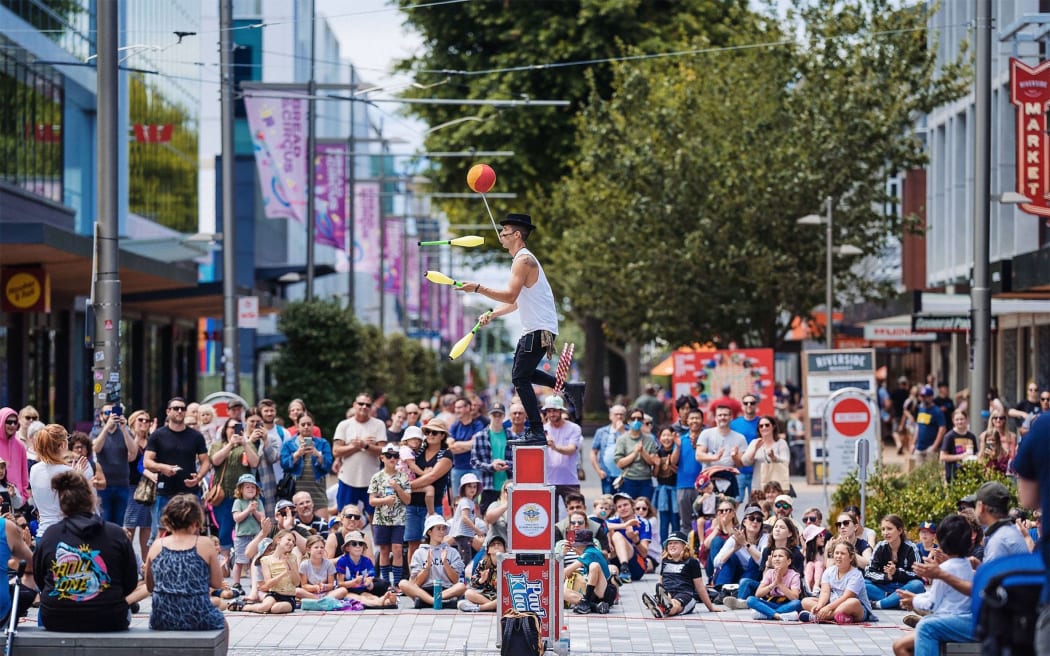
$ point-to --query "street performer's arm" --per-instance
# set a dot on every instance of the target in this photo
(524, 271)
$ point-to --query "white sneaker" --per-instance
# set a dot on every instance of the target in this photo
(789, 617)
(468, 606)
(734, 603)
(755, 615)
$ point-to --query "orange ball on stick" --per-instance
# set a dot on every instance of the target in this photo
(481, 178)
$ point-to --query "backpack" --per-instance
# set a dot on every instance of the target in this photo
(1005, 603)
(521, 634)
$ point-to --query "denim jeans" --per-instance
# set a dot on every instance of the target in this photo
(523, 374)
(886, 593)
(769, 609)
(932, 630)
(635, 488)
(114, 503)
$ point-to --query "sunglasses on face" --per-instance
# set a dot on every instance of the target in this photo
(723, 511)
(755, 518)
(847, 522)
(577, 523)
(352, 516)
(432, 432)
(765, 425)
(175, 408)
(749, 403)
(783, 506)
(1044, 398)
(142, 419)
(810, 519)
(355, 543)
(363, 404)
(32, 417)
(390, 455)
(11, 422)
(998, 418)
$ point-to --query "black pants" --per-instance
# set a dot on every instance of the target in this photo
(524, 374)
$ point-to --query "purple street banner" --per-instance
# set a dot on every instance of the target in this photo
(412, 278)
(392, 256)
(278, 129)
(330, 195)
(426, 293)
(366, 231)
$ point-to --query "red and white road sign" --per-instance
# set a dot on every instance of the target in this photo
(850, 416)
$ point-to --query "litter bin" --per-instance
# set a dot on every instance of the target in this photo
(798, 457)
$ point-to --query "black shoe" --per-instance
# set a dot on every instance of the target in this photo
(135, 608)
(419, 604)
(601, 608)
(529, 438)
(574, 400)
(582, 608)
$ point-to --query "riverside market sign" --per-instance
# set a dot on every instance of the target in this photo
(1030, 93)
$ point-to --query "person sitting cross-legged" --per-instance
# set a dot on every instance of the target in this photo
(434, 561)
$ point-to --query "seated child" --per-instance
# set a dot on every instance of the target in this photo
(681, 581)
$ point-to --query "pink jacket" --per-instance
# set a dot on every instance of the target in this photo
(14, 452)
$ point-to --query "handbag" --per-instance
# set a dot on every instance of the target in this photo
(286, 487)
(145, 492)
(215, 494)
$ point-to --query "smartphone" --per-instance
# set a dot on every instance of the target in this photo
(238, 429)
(118, 410)
(570, 536)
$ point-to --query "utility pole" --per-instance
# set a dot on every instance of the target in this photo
(311, 156)
(106, 292)
(230, 347)
(980, 292)
(351, 174)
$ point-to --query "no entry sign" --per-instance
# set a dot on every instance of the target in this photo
(850, 416)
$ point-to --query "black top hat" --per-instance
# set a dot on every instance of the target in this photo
(523, 220)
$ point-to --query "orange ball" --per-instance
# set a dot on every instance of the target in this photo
(481, 178)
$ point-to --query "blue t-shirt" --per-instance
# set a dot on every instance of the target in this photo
(604, 443)
(1033, 464)
(929, 420)
(749, 429)
(688, 467)
(592, 555)
(348, 569)
(464, 433)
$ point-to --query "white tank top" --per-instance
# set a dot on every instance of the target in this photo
(536, 303)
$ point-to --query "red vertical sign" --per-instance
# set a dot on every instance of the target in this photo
(1030, 92)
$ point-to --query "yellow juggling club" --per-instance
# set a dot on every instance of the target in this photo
(468, 241)
(459, 347)
(441, 279)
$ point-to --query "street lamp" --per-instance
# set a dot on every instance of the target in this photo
(829, 252)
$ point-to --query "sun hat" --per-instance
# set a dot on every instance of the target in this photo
(412, 433)
(247, 478)
(553, 403)
(435, 425)
(432, 521)
(467, 480)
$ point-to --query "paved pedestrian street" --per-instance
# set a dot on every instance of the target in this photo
(628, 629)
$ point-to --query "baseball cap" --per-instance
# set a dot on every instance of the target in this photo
(785, 498)
(677, 536)
(284, 503)
(756, 510)
(902, 380)
(390, 447)
(927, 526)
(994, 495)
(926, 391)
(621, 495)
(235, 403)
(584, 536)
(497, 408)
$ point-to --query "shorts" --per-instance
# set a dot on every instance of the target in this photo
(278, 597)
(240, 546)
(414, 518)
(385, 535)
(687, 600)
(138, 515)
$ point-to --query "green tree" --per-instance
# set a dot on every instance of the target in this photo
(329, 358)
(690, 176)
